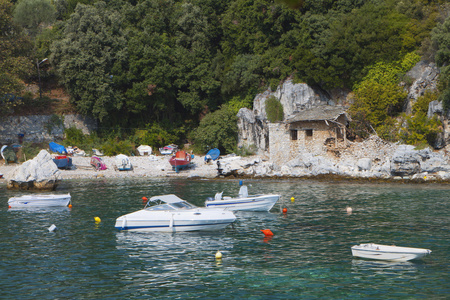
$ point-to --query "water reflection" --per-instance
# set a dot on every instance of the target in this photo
(43, 209)
(382, 267)
(157, 245)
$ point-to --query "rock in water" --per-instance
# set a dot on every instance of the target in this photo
(40, 173)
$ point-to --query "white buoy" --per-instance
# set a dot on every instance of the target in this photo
(52, 228)
(349, 210)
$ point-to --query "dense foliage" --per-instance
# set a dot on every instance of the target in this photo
(274, 110)
(157, 67)
(14, 58)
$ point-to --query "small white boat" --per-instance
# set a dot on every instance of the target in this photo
(391, 253)
(40, 200)
(244, 201)
(171, 214)
(144, 150)
(123, 163)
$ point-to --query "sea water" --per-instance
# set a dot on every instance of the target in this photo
(308, 257)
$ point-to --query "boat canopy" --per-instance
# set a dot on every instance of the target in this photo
(57, 148)
(167, 198)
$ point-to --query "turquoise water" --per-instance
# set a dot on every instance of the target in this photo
(308, 257)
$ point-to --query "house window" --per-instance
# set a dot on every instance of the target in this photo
(294, 135)
(308, 133)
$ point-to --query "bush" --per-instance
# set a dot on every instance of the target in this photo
(420, 129)
(155, 136)
(216, 130)
(115, 146)
(274, 110)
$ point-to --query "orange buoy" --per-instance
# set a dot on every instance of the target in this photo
(70, 205)
(144, 199)
(9, 206)
(267, 232)
(284, 210)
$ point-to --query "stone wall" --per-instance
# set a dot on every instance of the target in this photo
(280, 144)
(311, 137)
(41, 128)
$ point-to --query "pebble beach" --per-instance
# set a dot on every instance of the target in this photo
(143, 166)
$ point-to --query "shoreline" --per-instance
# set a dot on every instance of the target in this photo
(159, 167)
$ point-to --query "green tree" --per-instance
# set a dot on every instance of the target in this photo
(15, 64)
(217, 130)
(86, 57)
(34, 15)
(379, 96)
(338, 47)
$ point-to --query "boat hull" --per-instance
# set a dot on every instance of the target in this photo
(251, 203)
(166, 221)
(181, 160)
(40, 201)
(389, 253)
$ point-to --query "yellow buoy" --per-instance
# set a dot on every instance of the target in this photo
(218, 255)
(292, 199)
(97, 220)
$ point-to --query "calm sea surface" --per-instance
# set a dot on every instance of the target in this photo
(308, 257)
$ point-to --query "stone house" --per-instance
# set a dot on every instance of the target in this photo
(315, 130)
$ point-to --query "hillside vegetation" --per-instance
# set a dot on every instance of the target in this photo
(150, 70)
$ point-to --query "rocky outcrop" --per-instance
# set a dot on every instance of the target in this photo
(253, 124)
(253, 131)
(359, 160)
(425, 76)
(40, 173)
(41, 128)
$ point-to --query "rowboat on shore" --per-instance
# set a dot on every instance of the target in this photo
(181, 160)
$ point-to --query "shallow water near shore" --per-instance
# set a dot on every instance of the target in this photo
(308, 257)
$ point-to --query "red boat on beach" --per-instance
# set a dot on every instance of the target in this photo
(180, 160)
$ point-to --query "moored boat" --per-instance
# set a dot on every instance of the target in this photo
(212, 154)
(168, 150)
(144, 150)
(390, 253)
(63, 162)
(123, 163)
(170, 213)
(244, 201)
(181, 160)
(40, 200)
(98, 163)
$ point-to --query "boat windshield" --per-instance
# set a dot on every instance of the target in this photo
(183, 205)
(172, 206)
(161, 207)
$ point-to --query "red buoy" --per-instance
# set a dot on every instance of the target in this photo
(144, 199)
(284, 210)
(267, 232)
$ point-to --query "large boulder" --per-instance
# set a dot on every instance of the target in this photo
(40, 173)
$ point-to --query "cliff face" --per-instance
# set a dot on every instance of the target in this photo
(253, 124)
(371, 158)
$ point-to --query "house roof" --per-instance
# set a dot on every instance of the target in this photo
(319, 113)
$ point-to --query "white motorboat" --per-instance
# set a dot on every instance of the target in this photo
(244, 201)
(40, 200)
(170, 213)
(391, 253)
